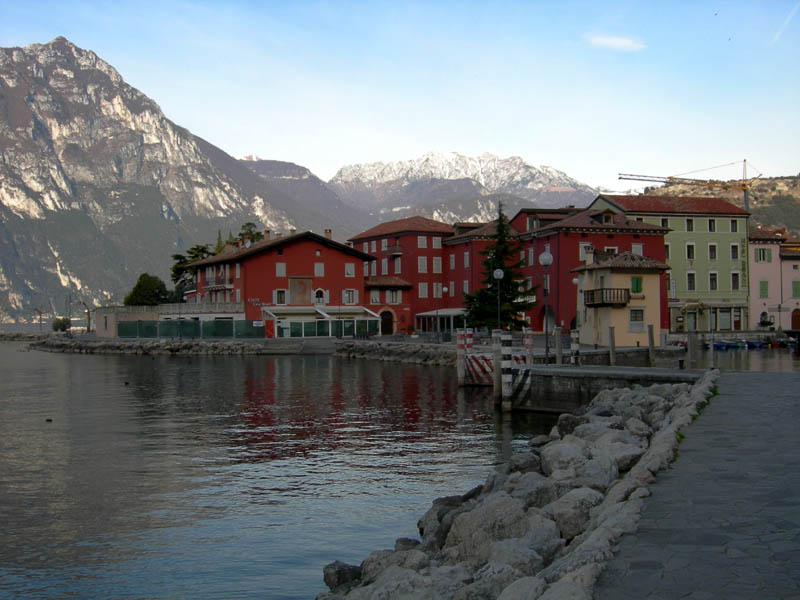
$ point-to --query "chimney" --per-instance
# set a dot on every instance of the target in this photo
(278, 235)
(292, 231)
(266, 234)
(329, 234)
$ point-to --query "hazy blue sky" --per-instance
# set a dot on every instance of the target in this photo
(591, 88)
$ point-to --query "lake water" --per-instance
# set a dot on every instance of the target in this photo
(223, 477)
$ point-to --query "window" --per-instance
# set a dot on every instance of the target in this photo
(397, 265)
(712, 225)
(365, 246)
(238, 295)
(666, 251)
(665, 222)
(466, 260)
(238, 271)
(452, 261)
(796, 288)
(373, 246)
(735, 279)
(349, 296)
(318, 252)
(763, 288)
(394, 296)
(319, 269)
(436, 242)
(465, 287)
(637, 249)
(636, 320)
(422, 241)
(350, 269)
(280, 269)
(437, 290)
(373, 268)
(374, 296)
(712, 252)
(582, 248)
(422, 290)
(612, 249)
(712, 281)
(452, 288)
(734, 226)
(366, 268)
(279, 296)
(437, 263)
(763, 255)
(320, 297)
(689, 224)
(734, 251)
(422, 264)
(522, 257)
(640, 219)
(384, 244)
(636, 285)
(690, 251)
(690, 281)
(384, 266)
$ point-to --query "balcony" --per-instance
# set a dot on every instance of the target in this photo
(606, 297)
(221, 282)
(395, 250)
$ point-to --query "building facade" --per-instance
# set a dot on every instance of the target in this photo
(706, 250)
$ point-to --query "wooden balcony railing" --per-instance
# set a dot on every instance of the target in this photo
(606, 297)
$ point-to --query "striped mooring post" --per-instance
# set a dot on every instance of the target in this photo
(528, 341)
(575, 346)
(468, 339)
(506, 362)
(461, 357)
(497, 366)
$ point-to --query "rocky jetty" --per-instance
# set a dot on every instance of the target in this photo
(543, 525)
(166, 346)
(22, 336)
(430, 354)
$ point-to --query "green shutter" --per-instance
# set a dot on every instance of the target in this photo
(763, 289)
(636, 285)
(796, 289)
(769, 255)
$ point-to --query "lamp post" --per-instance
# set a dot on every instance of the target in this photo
(438, 324)
(498, 275)
(546, 259)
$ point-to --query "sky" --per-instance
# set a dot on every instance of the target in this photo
(589, 88)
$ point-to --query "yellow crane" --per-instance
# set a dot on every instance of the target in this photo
(745, 184)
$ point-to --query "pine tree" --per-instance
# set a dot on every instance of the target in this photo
(220, 245)
(513, 290)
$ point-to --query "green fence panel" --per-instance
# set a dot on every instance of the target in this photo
(168, 329)
(189, 329)
(246, 329)
(336, 329)
(323, 328)
(310, 329)
(372, 326)
(296, 329)
(127, 329)
(361, 328)
(218, 328)
(148, 329)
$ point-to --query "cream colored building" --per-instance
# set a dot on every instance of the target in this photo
(625, 291)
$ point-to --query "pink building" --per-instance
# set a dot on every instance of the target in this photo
(774, 264)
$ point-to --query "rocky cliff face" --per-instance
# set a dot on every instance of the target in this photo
(97, 185)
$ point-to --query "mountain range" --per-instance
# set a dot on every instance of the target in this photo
(97, 186)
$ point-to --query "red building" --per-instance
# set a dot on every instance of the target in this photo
(566, 240)
(300, 283)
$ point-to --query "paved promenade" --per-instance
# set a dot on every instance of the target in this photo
(724, 521)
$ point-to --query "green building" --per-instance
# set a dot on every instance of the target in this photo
(706, 250)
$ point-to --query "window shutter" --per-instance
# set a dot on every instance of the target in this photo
(355, 296)
(326, 296)
(769, 255)
(274, 296)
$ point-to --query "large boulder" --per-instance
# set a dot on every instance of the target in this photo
(516, 553)
(571, 511)
(490, 580)
(380, 560)
(533, 488)
(564, 453)
(526, 588)
(338, 575)
(599, 472)
(499, 517)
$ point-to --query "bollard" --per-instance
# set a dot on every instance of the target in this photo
(612, 348)
(528, 340)
(496, 362)
(469, 339)
(575, 346)
(651, 351)
(692, 349)
(506, 363)
(558, 344)
(461, 357)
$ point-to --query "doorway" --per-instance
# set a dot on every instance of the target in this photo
(796, 319)
(387, 323)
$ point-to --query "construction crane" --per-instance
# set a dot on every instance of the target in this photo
(745, 184)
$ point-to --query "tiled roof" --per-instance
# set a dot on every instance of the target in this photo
(592, 219)
(385, 281)
(626, 261)
(484, 231)
(232, 253)
(408, 225)
(767, 234)
(674, 205)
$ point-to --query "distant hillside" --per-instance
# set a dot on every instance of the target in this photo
(774, 201)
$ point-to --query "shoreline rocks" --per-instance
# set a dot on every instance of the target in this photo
(431, 354)
(543, 525)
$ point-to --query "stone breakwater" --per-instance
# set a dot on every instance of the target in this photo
(543, 525)
(170, 347)
(431, 354)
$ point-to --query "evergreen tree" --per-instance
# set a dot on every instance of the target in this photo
(513, 290)
(182, 272)
(220, 245)
(250, 232)
(148, 291)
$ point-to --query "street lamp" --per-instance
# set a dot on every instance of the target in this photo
(498, 275)
(546, 259)
(438, 324)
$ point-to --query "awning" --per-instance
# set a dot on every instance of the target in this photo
(319, 312)
(443, 312)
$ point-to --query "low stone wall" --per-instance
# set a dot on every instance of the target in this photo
(192, 347)
(543, 525)
(6, 336)
(433, 354)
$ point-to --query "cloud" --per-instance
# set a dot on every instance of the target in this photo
(781, 29)
(620, 44)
